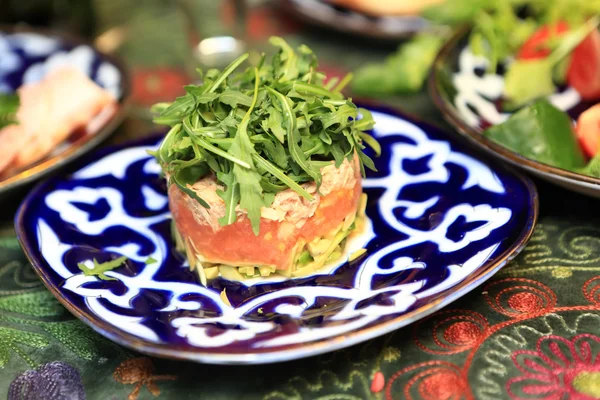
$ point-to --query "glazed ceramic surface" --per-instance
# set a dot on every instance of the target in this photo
(470, 98)
(440, 223)
(342, 19)
(26, 57)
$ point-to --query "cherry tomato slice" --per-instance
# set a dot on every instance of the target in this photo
(584, 71)
(588, 130)
(534, 47)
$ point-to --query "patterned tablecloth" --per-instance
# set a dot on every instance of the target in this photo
(531, 332)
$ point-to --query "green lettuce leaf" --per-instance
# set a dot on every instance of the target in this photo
(540, 132)
(402, 72)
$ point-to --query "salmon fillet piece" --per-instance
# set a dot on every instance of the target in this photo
(287, 221)
(49, 111)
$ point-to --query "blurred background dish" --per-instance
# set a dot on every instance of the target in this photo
(65, 16)
(363, 18)
(471, 100)
(219, 50)
(387, 7)
(28, 57)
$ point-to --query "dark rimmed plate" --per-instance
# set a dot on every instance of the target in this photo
(27, 55)
(469, 99)
(441, 223)
(325, 14)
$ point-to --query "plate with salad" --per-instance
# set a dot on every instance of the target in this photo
(276, 219)
(523, 82)
(58, 98)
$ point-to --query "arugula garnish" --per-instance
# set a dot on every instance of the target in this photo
(9, 104)
(100, 268)
(268, 128)
(149, 261)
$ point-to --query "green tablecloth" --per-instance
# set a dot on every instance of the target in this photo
(533, 331)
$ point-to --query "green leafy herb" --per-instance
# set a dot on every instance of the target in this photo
(592, 168)
(521, 89)
(289, 117)
(304, 258)
(458, 12)
(559, 73)
(574, 12)
(9, 104)
(498, 32)
(149, 261)
(184, 177)
(404, 71)
(231, 197)
(541, 132)
(248, 179)
(262, 130)
(455, 12)
(100, 268)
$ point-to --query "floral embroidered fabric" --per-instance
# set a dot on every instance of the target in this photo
(531, 332)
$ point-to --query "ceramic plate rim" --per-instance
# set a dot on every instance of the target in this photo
(85, 143)
(451, 115)
(486, 271)
(290, 8)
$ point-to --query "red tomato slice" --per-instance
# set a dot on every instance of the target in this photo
(588, 130)
(584, 71)
(534, 47)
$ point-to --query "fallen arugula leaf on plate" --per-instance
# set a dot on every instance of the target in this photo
(540, 132)
(99, 269)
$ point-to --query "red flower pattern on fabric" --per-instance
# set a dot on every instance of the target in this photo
(450, 331)
(519, 298)
(557, 368)
(591, 290)
(434, 380)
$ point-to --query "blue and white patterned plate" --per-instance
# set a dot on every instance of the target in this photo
(441, 223)
(26, 57)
